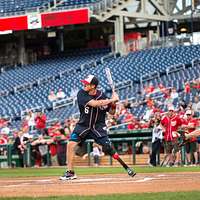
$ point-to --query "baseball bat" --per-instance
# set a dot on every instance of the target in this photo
(109, 77)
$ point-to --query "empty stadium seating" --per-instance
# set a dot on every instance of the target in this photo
(48, 68)
(14, 7)
(129, 67)
(10, 7)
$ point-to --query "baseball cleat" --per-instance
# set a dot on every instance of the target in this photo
(68, 176)
(131, 172)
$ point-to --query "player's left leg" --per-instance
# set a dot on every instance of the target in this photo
(107, 148)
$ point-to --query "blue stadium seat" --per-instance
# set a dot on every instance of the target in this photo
(129, 67)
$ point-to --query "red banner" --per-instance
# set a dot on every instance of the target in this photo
(13, 23)
(80, 16)
(61, 18)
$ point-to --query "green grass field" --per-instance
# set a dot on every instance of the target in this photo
(195, 195)
(42, 172)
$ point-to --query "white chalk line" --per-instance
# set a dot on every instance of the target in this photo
(83, 181)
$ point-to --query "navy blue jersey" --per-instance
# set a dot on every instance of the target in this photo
(91, 116)
(92, 119)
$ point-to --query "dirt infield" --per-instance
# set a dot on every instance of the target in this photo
(100, 184)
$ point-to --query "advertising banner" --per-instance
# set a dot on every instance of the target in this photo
(80, 16)
(51, 19)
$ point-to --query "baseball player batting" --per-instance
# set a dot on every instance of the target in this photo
(93, 106)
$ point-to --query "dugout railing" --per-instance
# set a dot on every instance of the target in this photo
(133, 140)
(9, 159)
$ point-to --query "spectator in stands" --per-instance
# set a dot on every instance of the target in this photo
(5, 129)
(147, 114)
(189, 106)
(174, 96)
(30, 118)
(157, 136)
(19, 146)
(73, 122)
(55, 131)
(129, 118)
(196, 106)
(121, 113)
(181, 111)
(127, 105)
(3, 139)
(189, 125)
(161, 88)
(111, 120)
(67, 127)
(170, 123)
(60, 135)
(182, 104)
(149, 89)
(187, 87)
(40, 121)
(2, 122)
(168, 99)
(195, 86)
(58, 148)
(43, 149)
(96, 154)
(40, 150)
(52, 96)
(60, 94)
(150, 102)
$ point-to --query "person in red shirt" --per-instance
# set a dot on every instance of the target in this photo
(170, 123)
(187, 88)
(129, 118)
(40, 123)
(150, 102)
(3, 140)
(161, 87)
(190, 125)
(151, 88)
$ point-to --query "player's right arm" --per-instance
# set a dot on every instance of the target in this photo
(104, 102)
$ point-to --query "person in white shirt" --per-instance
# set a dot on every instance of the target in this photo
(5, 130)
(147, 115)
(157, 136)
(174, 94)
(52, 96)
(30, 118)
(96, 153)
(60, 94)
(196, 106)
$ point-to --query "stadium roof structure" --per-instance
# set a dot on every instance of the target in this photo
(139, 11)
